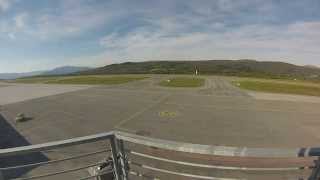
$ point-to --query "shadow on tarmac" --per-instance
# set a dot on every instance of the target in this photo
(10, 138)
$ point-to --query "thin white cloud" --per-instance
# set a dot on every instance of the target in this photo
(20, 20)
(76, 17)
(70, 19)
(5, 5)
(298, 42)
(11, 27)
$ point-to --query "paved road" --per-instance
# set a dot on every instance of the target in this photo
(13, 93)
(217, 114)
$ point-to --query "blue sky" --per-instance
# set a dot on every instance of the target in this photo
(42, 34)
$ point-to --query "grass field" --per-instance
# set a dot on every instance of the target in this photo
(279, 86)
(183, 82)
(89, 80)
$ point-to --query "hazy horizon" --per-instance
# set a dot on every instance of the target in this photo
(42, 35)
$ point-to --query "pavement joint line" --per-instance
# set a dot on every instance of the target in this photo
(151, 91)
(126, 130)
(110, 98)
(228, 108)
(160, 100)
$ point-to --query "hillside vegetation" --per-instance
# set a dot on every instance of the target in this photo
(249, 68)
(279, 86)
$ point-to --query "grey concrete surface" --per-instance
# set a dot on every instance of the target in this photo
(217, 114)
(284, 97)
(13, 93)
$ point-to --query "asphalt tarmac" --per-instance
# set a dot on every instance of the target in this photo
(216, 114)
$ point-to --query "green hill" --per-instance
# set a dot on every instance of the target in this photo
(248, 68)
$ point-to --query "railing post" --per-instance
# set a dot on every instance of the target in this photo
(316, 171)
(114, 151)
(123, 160)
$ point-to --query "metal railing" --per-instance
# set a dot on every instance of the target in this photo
(135, 155)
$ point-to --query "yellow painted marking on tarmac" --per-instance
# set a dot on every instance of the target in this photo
(170, 114)
(235, 108)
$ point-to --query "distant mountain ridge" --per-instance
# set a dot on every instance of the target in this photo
(215, 67)
(312, 66)
(66, 70)
(57, 71)
(6, 76)
(250, 68)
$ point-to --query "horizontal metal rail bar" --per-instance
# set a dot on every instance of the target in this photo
(59, 172)
(168, 145)
(56, 144)
(54, 161)
(178, 173)
(216, 167)
(218, 150)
